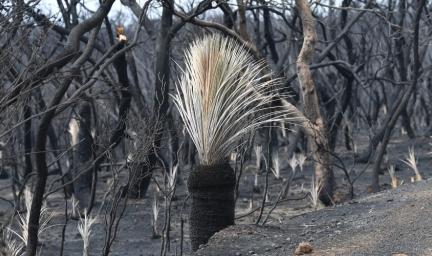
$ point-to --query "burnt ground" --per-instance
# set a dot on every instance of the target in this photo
(392, 221)
(386, 223)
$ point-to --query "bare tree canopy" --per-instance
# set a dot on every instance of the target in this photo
(148, 126)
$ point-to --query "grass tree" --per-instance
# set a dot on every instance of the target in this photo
(394, 179)
(411, 161)
(85, 229)
(223, 94)
(276, 165)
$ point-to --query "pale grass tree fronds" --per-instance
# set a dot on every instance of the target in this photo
(12, 246)
(155, 216)
(256, 188)
(355, 148)
(172, 176)
(430, 144)
(73, 131)
(302, 188)
(233, 156)
(314, 192)
(23, 220)
(411, 161)
(384, 107)
(250, 207)
(276, 165)
(28, 197)
(75, 207)
(394, 179)
(293, 163)
(301, 159)
(85, 230)
(45, 219)
(284, 132)
(258, 154)
(386, 159)
(267, 198)
(224, 94)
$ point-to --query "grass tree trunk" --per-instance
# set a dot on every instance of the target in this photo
(221, 99)
(212, 192)
(318, 141)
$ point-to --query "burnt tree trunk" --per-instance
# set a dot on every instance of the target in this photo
(318, 141)
(82, 143)
(162, 85)
(402, 103)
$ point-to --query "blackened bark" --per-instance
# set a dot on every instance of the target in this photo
(229, 15)
(212, 192)
(139, 179)
(348, 84)
(120, 64)
(28, 140)
(82, 156)
(400, 45)
(162, 84)
(403, 102)
(268, 35)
